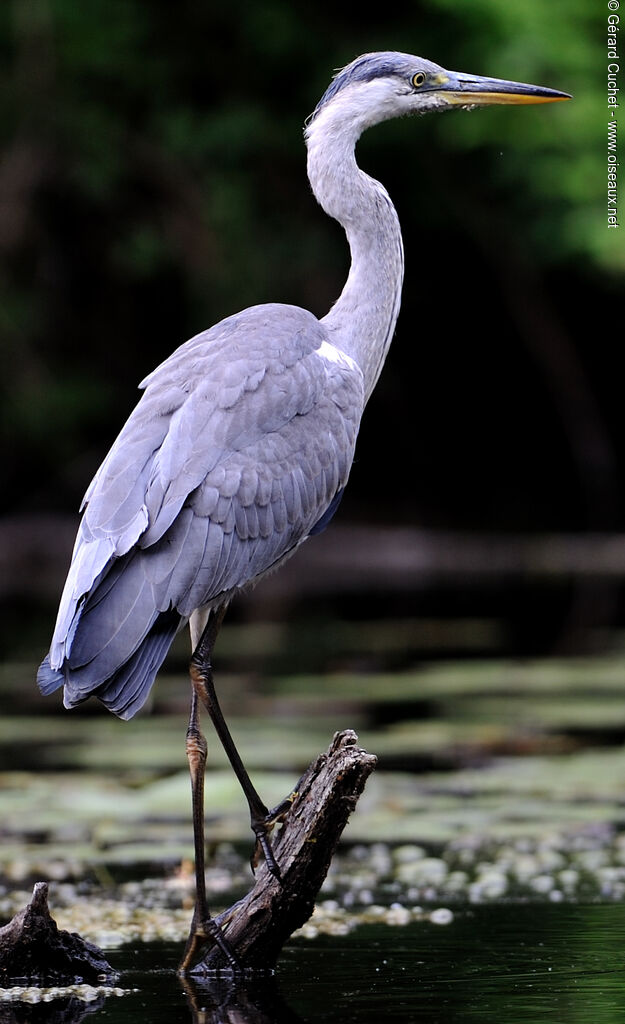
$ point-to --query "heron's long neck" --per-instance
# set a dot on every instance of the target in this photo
(362, 321)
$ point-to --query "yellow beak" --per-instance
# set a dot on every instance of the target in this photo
(473, 91)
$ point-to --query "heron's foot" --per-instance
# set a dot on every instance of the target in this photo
(208, 932)
(262, 828)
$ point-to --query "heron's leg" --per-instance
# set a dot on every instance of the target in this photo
(203, 926)
(261, 819)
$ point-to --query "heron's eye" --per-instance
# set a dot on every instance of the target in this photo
(418, 79)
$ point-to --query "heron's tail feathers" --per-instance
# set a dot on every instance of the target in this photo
(48, 678)
(127, 688)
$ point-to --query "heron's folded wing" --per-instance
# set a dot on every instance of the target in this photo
(237, 448)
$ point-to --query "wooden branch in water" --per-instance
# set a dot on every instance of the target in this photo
(33, 948)
(257, 927)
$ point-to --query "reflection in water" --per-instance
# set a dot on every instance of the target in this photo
(520, 964)
(68, 1010)
(223, 1000)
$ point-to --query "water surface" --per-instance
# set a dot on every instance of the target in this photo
(512, 963)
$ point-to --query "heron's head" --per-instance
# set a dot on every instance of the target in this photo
(380, 86)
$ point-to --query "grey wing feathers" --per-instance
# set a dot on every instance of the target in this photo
(239, 445)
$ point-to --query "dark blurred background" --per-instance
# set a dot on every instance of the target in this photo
(152, 181)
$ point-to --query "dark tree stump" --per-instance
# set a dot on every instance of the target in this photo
(257, 927)
(35, 950)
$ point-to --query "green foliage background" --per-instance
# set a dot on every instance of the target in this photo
(153, 180)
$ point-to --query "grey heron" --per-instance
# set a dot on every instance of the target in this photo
(242, 443)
